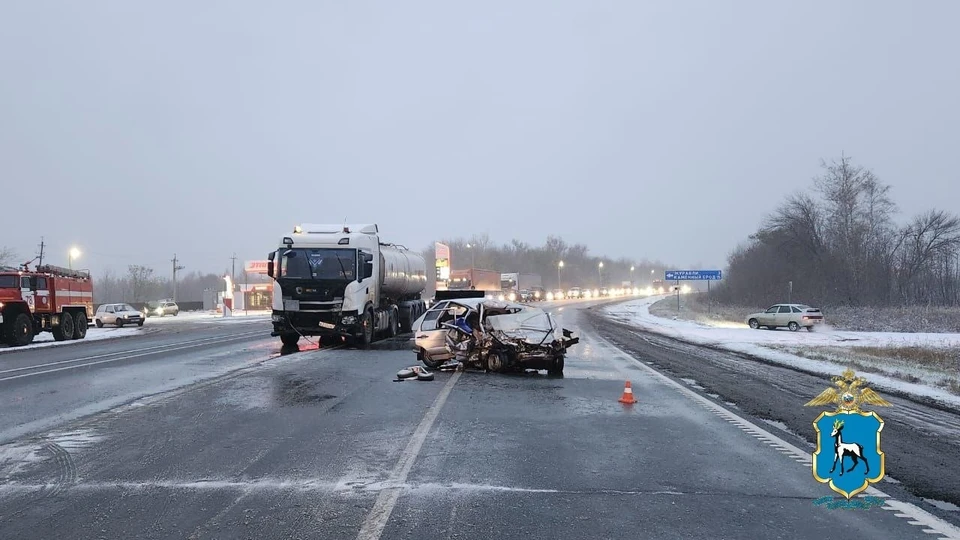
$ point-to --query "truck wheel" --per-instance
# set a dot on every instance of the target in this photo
(21, 331)
(394, 321)
(289, 339)
(64, 330)
(366, 327)
(80, 326)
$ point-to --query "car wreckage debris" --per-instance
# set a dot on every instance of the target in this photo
(411, 372)
(499, 337)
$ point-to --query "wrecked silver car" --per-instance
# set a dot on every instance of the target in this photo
(491, 335)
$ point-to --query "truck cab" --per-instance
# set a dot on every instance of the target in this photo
(341, 282)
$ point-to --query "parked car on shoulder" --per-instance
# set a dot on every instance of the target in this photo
(792, 316)
(117, 315)
(161, 308)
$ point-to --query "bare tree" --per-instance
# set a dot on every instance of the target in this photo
(7, 256)
(839, 244)
(140, 279)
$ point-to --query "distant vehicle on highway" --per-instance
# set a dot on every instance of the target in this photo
(161, 308)
(117, 315)
(792, 316)
(575, 292)
(556, 294)
(604, 291)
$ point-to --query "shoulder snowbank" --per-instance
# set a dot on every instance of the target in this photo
(762, 343)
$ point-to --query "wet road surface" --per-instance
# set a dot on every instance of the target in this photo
(323, 444)
(921, 442)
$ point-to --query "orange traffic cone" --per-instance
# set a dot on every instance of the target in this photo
(627, 395)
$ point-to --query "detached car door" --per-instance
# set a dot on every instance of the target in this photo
(430, 338)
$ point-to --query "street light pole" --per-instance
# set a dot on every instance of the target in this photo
(600, 272)
(559, 280)
(73, 254)
(632, 284)
(473, 256)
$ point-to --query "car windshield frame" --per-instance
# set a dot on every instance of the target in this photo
(320, 263)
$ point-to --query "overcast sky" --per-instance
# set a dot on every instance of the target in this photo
(642, 129)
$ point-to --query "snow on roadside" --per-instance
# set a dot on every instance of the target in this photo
(93, 334)
(208, 316)
(762, 343)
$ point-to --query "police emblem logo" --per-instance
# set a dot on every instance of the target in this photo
(848, 455)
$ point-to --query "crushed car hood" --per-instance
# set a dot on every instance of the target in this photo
(532, 326)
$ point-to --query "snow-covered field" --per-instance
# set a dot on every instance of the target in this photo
(825, 351)
(93, 334)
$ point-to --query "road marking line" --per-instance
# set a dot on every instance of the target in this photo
(917, 514)
(377, 519)
(75, 366)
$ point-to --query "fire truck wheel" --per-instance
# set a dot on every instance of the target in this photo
(64, 330)
(21, 331)
(80, 327)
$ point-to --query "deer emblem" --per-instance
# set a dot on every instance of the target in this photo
(841, 450)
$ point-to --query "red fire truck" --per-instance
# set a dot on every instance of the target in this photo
(47, 299)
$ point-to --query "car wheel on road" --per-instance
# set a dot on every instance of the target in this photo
(431, 363)
(119, 323)
(793, 326)
(809, 329)
(755, 324)
(80, 326)
(99, 323)
(496, 361)
(175, 313)
(557, 368)
(140, 322)
(21, 331)
(289, 339)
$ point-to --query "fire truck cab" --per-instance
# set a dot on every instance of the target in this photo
(47, 299)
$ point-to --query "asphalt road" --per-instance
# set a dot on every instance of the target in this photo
(921, 442)
(323, 444)
(43, 387)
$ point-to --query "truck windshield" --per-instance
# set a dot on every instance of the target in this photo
(9, 282)
(323, 263)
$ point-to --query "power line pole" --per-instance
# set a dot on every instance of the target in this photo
(233, 268)
(40, 257)
(175, 268)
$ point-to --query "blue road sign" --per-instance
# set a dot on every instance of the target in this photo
(691, 275)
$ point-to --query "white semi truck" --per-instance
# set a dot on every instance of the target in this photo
(342, 282)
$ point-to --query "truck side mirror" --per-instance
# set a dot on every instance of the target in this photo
(270, 257)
